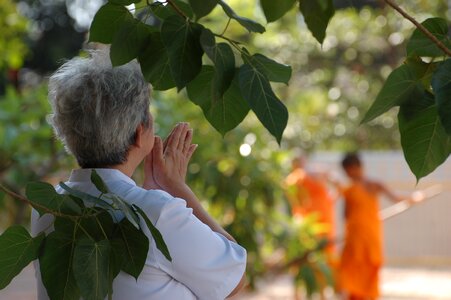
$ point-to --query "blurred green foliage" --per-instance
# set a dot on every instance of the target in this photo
(13, 31)
(28, 149)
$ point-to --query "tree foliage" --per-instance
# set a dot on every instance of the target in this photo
(421, 89)
(170, 42)
(173, 33)
(12, 45)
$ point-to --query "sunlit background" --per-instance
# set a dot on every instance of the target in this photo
(239, 176)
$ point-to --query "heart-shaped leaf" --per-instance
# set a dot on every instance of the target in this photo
(441, 84)
(256, 89)
(17, 250)
(181, 39)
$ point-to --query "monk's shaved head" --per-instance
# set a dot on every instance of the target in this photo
(351, 159)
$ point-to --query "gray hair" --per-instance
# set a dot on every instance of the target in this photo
(97, 108)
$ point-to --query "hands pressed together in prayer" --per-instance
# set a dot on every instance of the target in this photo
(166, 165)
(165, 168)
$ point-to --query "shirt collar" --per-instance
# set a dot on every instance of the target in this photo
(83, 175)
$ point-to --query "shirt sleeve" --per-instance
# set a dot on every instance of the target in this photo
(206, 262)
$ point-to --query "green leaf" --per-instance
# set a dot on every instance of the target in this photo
(422, 70)
(43, 195)
(65, 225)
(326, 270)
(58, 247)
(17, 250)
(129, 41)
(181, 39)
(165, 11)
(98, 182)
(202, 8)
(422, 100)
(441, 84)
(91, 267)
(423, 138)
(184, 7)
(124, 2)
(420, 45)
(223, 113)
(222, 56)
(249, 24)
(275, 10)
(307, 276)
(130, 247)
(162, 11)
(273, 70)
(107, 21)
(86, 197)
(97, 227)
(125, 208)
(154, 61)
(256, 89)
(399, 87)
(159, 241)
(317, 15)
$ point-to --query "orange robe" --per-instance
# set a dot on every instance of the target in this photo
(361, 258)
(312, 196)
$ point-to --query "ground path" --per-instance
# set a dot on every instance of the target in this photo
(397, 284)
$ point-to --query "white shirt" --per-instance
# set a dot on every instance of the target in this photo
(205, 265)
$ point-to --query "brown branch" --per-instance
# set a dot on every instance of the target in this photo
(419, 26)
(14, 195)
(23, 199)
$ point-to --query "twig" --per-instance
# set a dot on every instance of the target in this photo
(419, 26)
(232, 42)
(227, 26)
(23, 199)
(226, 38)
(14, 195)
(55, 213)
(177, 9)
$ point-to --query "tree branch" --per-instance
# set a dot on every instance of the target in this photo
(23, 199)
(419, 26)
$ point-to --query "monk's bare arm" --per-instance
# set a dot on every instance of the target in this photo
(388, 193)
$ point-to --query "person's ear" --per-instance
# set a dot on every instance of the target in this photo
(139, 136)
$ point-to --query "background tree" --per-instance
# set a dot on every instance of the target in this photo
(12, 46)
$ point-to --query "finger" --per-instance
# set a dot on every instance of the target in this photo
(188, 139)
(173, 139)
(165, 142)
(191, 150)
(181, 139)
(157, 153)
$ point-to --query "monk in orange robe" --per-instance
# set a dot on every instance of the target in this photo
(361, 258)
(308, 194)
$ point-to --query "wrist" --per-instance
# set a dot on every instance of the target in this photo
(180, 190)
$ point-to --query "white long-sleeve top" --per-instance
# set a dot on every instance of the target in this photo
(205, 265)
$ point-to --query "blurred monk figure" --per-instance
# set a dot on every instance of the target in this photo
(361, 258)
(309, 194)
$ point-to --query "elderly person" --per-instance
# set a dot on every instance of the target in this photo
(101, 115)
